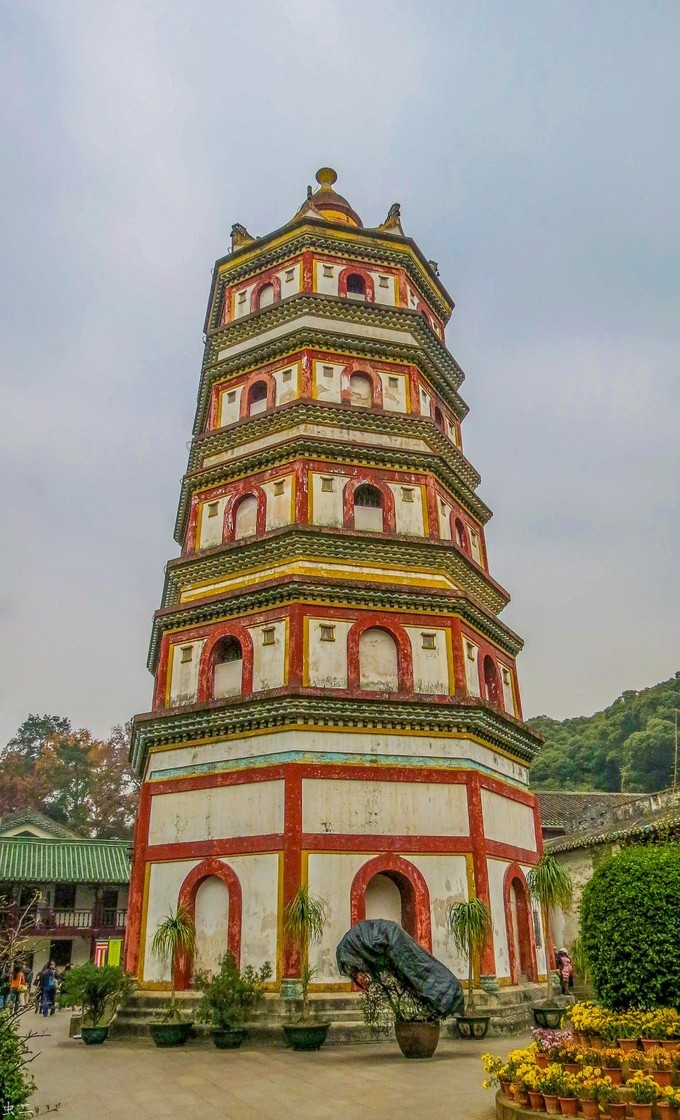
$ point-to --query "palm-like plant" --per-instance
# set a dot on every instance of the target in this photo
(469, 924)
(551, 886)
(175, 935)
(304, 923)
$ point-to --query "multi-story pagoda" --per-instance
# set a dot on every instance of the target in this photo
(336, 700)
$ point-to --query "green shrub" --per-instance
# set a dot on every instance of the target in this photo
(98, 991)
(630, 928)
(230, 996)
(16, 1083)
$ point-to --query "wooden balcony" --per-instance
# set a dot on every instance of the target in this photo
(64, 923)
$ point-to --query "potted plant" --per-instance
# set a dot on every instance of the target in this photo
(669, 1104)
(550, 885)
(550, 1085)
(99, 992)
(175, 937)
(493, 1067)
(593, 1087)
(304, 923)
(229, 998)
(386, 1000)
(611, 1058)
(644, 1092)
(658, 1062)
(469, 924)
(635, 1060)
(568, 1095)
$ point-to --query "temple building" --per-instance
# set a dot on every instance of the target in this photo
(336, 700)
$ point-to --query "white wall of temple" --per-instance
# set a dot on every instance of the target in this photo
(384, 808)
(508, 821)
(432, 671)
(251, 809)
(259, 877)
(333, 744)
(40, 948)
(326, 665)
(497, 869)
(269, 654)
(326, 498)
(280, 496)
(330, 876)
(186, 657)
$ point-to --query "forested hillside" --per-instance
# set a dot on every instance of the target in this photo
(628, 746)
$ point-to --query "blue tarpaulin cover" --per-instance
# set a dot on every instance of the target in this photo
(377, 945)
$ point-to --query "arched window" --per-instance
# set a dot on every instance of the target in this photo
(461, 535)
(439, 418)
(266, 296)
(378, 661)
(227, 668)
(356, 287)
(383, 898)
(257, 398)
(360, 390)
(519, 927)
(245, 521)
(491, 682)
(368, 508)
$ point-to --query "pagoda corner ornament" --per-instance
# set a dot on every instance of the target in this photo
(336, 700)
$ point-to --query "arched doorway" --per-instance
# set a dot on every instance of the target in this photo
(519, 927)
(212, 924)
(388, 886)
(211, 893)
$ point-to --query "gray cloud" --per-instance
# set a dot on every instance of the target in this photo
(534, 150)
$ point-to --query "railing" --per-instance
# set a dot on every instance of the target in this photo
(79, 919)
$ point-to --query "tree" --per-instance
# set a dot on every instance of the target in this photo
(304, 923)
(648, 757)
(630, 928)
(551, 886)
(35, 732)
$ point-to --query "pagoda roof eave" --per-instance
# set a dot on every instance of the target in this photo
(280, 708)
(315, 229)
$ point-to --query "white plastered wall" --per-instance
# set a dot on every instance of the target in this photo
(394, 390)
(326, 277)
(241, 297)
(184, 673)
(259, 877)
(327, 505)
(384, 292)
(496, 869)
(444, 515)
(290, 277)
(508, 694)
(328, 381)
(409, 513)
(430, 666)
(471, 658)
(507, 821)
(475, 547)
(230, 405)
(279, 504)
(269, 655)
(384, 808)
(326, 661)
(221, 812)
(287, 380)
(211, 523)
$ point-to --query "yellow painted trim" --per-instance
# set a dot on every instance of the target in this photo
(305, 650)
(448, 638)
(426, 516)
(279, 921)
(286, 648)
(470, 875)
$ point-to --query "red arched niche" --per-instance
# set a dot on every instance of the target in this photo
(187, 897)
(415, 897)
(521, 940)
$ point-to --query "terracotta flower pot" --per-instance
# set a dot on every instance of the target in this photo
(628, 1045)
(520, 1095)
(417, 1039)
(552, 1103)
(569, 1106)
(617, 1110)
(649, 1044)
(614, 1074)
(662, 1077)
(542, 1061)
(536, 1102)
(590, 1110)
(572, 1067)
(505, 1088)
(641, 1111)
(667, 1112)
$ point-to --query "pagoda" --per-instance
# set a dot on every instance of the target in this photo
(336, 700)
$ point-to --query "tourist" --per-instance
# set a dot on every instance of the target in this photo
(566, 971)
(48, 986)
(17, 988)
(4, 988)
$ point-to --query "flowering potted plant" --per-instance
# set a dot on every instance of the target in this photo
(493, 1064)
(635, 1060)
(568, 1096)
(629, 1030)
(550, 1085)
(658, 1062)
(611, 1058)
(568, 1055)
(644, 1092)
(592, 1086)
(669, 1104)
(526, 1082)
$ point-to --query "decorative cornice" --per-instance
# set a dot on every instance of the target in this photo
(446, 462)
(313, 338)
(325, 592)
(276, 709)
(362, 245)
(322, 543)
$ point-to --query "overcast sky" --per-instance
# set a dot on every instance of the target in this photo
(534, 147)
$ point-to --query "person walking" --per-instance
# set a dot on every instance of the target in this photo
(4, 988)
(17, 988)
(566, 970)
(49, 989)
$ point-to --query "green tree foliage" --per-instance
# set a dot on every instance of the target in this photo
(630, 928)
(80, 781)
(16, 1080)
(626, 747)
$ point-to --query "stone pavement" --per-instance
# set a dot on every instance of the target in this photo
(133, 1080)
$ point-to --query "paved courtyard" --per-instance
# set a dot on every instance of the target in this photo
(135, 1081)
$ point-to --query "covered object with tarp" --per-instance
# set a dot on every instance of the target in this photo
(378, 945)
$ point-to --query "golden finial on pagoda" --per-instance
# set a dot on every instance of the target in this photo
(325, 177)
